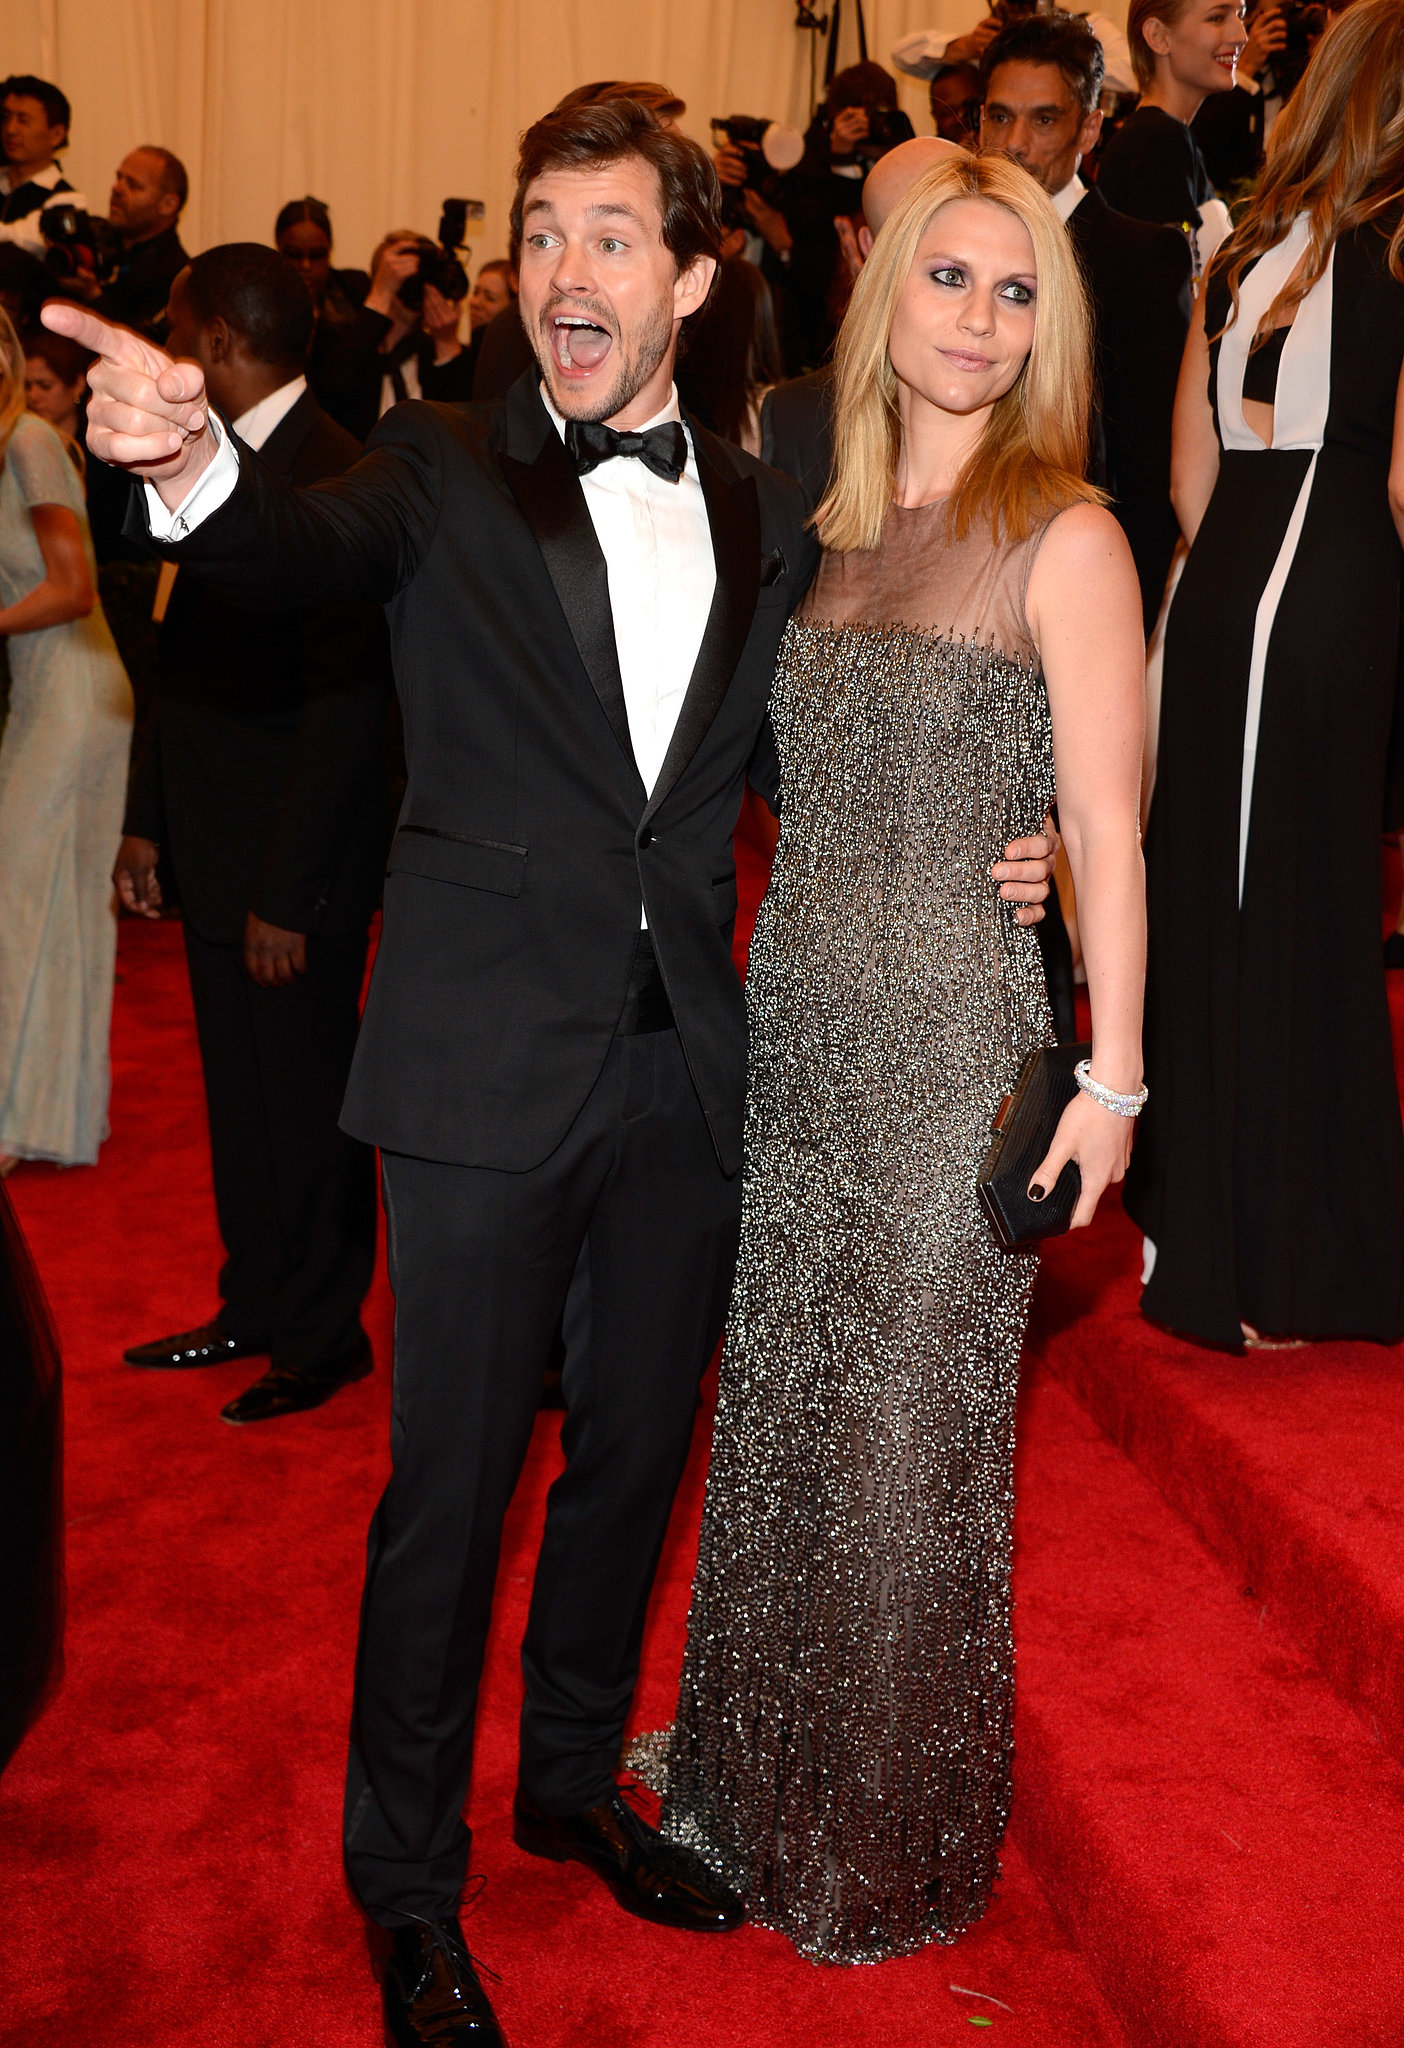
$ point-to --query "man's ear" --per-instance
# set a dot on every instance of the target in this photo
(170, 206)
(692, 285)
(1088, 133)
(865, 241)
(219, 339)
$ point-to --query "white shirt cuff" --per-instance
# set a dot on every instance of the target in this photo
(212, 487)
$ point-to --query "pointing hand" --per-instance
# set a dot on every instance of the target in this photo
(148, 414)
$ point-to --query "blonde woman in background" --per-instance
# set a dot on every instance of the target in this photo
(63, 777)
(972, 644)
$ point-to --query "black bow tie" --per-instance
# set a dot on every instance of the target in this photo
(662, 449)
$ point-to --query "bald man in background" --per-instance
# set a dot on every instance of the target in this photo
(797, 433)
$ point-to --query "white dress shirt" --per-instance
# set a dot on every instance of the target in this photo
(1067, 201)
(254, 426)
(656, 539)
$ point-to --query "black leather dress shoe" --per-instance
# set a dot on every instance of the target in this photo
(283, 1391)
(432, 1997)
(656, 1879)
(206, 1345)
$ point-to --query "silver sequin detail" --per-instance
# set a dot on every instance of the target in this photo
(842, 1751)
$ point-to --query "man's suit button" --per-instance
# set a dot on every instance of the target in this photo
(646, 837)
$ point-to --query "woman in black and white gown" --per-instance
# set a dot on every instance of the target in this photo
(1269, 1174)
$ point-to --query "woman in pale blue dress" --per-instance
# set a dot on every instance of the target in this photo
(63, 774)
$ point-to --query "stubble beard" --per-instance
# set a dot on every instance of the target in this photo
(638, 357)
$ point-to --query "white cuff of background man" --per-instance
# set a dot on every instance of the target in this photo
(923, 54)
(212, 487)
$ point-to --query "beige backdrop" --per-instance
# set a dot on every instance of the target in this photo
(381, 107)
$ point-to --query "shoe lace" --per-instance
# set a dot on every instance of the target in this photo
(452, 1947)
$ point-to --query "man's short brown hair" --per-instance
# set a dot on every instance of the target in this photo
(575, 138)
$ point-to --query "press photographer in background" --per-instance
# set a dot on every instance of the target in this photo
(34, 118)
(858, 122)
(932, 52)
(404, 342)
(124, 265)
(752, 156)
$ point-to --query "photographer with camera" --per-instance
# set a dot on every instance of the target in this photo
(931, 52)
(126, 264)
(34, 117)
(404, 342)
(858, 122)
(752, 157)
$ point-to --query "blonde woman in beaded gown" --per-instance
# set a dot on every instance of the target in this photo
(972, 643)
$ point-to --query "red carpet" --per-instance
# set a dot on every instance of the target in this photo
(1209, 1828)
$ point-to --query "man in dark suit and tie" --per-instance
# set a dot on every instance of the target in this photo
(586, 594)
(261, 782)
(1042, 84)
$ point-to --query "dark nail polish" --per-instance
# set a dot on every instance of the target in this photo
(1036, 1193)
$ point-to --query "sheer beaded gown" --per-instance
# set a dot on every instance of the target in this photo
(842, 1748)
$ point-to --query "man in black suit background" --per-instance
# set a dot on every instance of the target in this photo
(261, 784)
(586, 595)
(1042, 84)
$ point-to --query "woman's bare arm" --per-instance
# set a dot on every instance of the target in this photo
(1084, 609)
(67, 589)
(1194, 446)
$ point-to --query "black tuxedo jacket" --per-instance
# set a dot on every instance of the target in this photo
(526, 839)
(797, 430)
(262, 774)
(1139, 279)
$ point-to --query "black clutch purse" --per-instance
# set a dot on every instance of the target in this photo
(1023, 1131)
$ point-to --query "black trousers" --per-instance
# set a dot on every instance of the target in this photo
(633, 1209)
(294, 1195)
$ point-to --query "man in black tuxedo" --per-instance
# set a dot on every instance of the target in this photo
(1042, 83)
(586, 595)
(261, 783)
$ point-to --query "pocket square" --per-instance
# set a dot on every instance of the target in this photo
(773, 567)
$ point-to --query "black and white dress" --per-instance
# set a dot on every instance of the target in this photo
(1269, 1169)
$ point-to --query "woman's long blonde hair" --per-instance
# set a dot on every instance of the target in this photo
(1335, 153)
(1029, 462)
(12, 399)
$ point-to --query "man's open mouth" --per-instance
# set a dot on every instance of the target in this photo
(580, 344)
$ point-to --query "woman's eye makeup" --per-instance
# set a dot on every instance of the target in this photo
(1017, 294)
(948, 273)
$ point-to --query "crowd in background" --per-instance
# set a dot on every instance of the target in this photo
(1143, 141)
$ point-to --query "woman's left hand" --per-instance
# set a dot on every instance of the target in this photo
(1100, 1142)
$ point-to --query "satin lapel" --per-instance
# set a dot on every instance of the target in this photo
(733, 512)
(550, 499)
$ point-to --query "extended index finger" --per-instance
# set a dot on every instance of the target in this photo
(103, 337)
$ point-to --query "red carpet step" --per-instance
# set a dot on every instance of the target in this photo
(1289, 1464)
(1224, 1834)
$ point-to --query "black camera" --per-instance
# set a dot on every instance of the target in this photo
(438, 261)
(887, 126)
(1305, 23)
(768, 149)
(75, 240)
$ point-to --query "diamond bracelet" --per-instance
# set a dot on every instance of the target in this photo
(1119, 1105)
